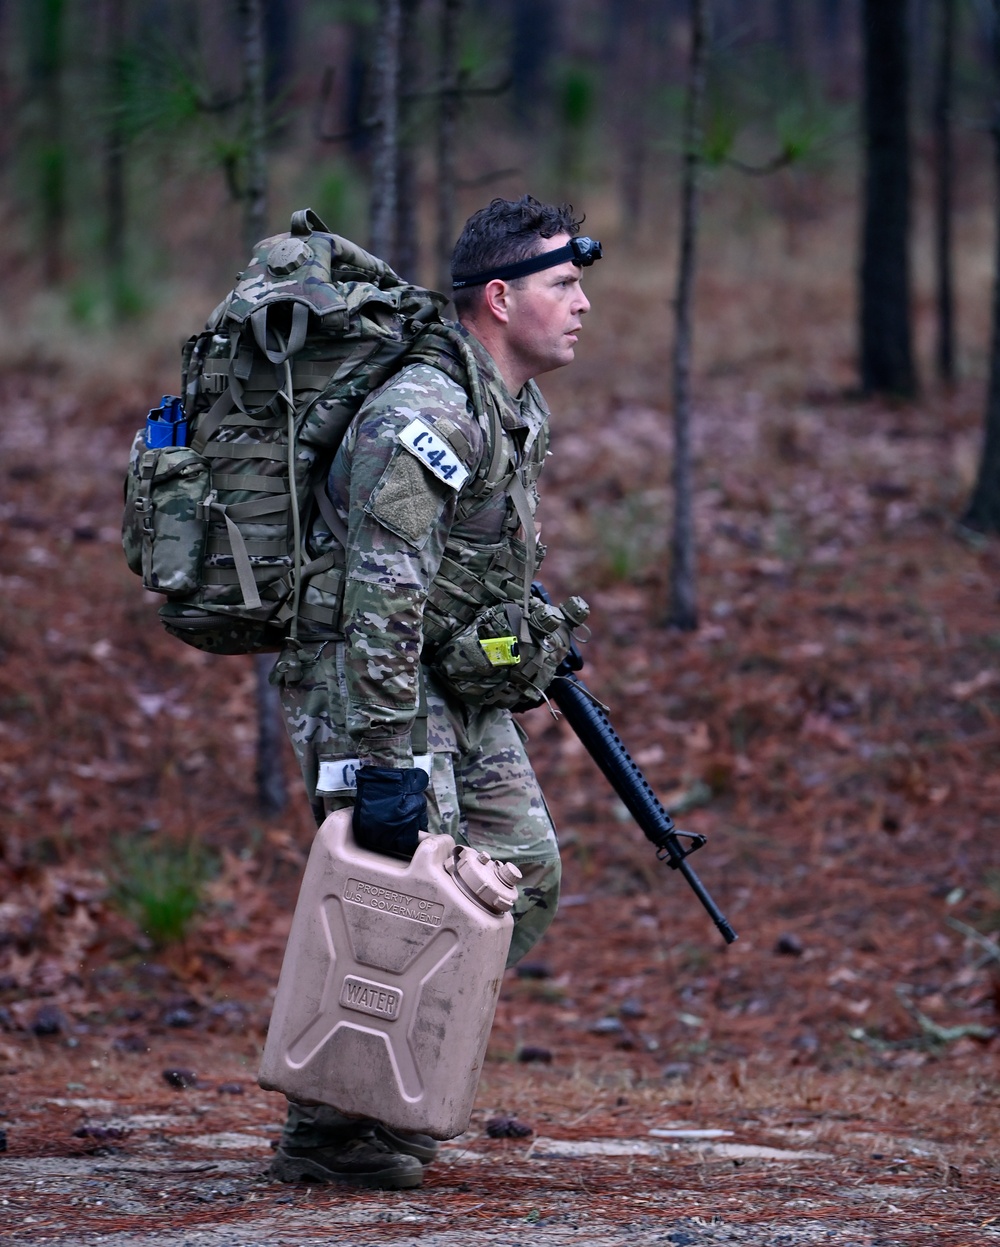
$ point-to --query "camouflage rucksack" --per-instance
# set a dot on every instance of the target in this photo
(223, 484)
(269, 388)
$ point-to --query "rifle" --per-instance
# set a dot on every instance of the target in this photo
(586, 716)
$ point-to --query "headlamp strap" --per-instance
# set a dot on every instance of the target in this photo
(581, 251)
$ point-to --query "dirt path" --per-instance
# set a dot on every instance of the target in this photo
(100, 1149)
(171, 1194)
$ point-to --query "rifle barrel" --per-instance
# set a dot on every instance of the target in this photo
(586, 717)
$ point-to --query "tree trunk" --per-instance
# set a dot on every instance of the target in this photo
(832, 21)
(48, 19)
(254, 91)
(405, 257)
(386, 125)
(983, 512)
(682, 611)
(533, 45)
(921, 16)
(886, 345)
(786, 20)
(637, 75)
(272, 794)
(281, 39)
(834, 52)
(943, 176)
(115, 194)
(449, 99)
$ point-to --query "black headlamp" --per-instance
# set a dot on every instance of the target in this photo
(581, 251)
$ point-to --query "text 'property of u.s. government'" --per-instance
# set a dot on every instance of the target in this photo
(357, 892)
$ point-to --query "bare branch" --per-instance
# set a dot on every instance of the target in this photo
(989, 946)
(458, 93)
(781, 161)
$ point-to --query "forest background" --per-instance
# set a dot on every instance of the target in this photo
(827, 715)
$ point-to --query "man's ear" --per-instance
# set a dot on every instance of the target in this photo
(496, 299)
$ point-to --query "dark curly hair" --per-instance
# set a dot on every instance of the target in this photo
(505, 231)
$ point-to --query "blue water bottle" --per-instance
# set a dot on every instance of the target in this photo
(166, 425)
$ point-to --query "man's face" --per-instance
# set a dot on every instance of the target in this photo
(545, 311)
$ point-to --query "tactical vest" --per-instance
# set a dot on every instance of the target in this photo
(487, 637)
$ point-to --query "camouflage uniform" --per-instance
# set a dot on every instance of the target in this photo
(404, 483)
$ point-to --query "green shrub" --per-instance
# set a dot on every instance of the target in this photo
(159, 884)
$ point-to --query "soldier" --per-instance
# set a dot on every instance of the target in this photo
(434, 506)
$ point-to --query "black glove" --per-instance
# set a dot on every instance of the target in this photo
(390, 809)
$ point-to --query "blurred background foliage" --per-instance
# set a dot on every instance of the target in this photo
(835, 715)
(148, 142)
(126, 145)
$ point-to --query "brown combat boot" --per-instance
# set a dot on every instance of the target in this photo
(363, 1160)
(422, 1146)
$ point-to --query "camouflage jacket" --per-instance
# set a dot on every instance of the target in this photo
(422, 534)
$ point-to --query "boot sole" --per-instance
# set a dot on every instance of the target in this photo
(299, 1169)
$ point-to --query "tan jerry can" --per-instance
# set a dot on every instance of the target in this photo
(390, 981)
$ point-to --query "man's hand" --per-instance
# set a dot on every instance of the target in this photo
(390, 809)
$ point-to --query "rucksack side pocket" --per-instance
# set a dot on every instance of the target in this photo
(132, 521)
(169, 514)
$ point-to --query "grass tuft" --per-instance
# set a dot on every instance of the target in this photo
(159, 885)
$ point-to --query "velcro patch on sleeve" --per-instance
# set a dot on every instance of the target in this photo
(434, 453)
(406, 500)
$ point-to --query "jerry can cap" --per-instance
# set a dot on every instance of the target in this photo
(493, 884)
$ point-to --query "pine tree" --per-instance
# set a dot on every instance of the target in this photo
(682, 611)
(886, 340)
(983, 511)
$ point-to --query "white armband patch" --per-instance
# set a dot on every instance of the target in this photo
(434, 453)
(341, 774)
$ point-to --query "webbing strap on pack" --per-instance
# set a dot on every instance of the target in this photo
(519, 497)
(330, 517)
(228, 399)
(241, 560)
(256, 547)
(253, 510)
(241, 557)
(246, 450)
(244, 480)
(212, 420)
(288, 394)
(296, 335)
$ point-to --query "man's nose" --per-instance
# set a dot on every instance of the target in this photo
(582, 303)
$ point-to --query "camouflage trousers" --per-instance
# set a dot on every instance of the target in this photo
(482, 792)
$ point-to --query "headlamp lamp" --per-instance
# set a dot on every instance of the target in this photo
(581, 251)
